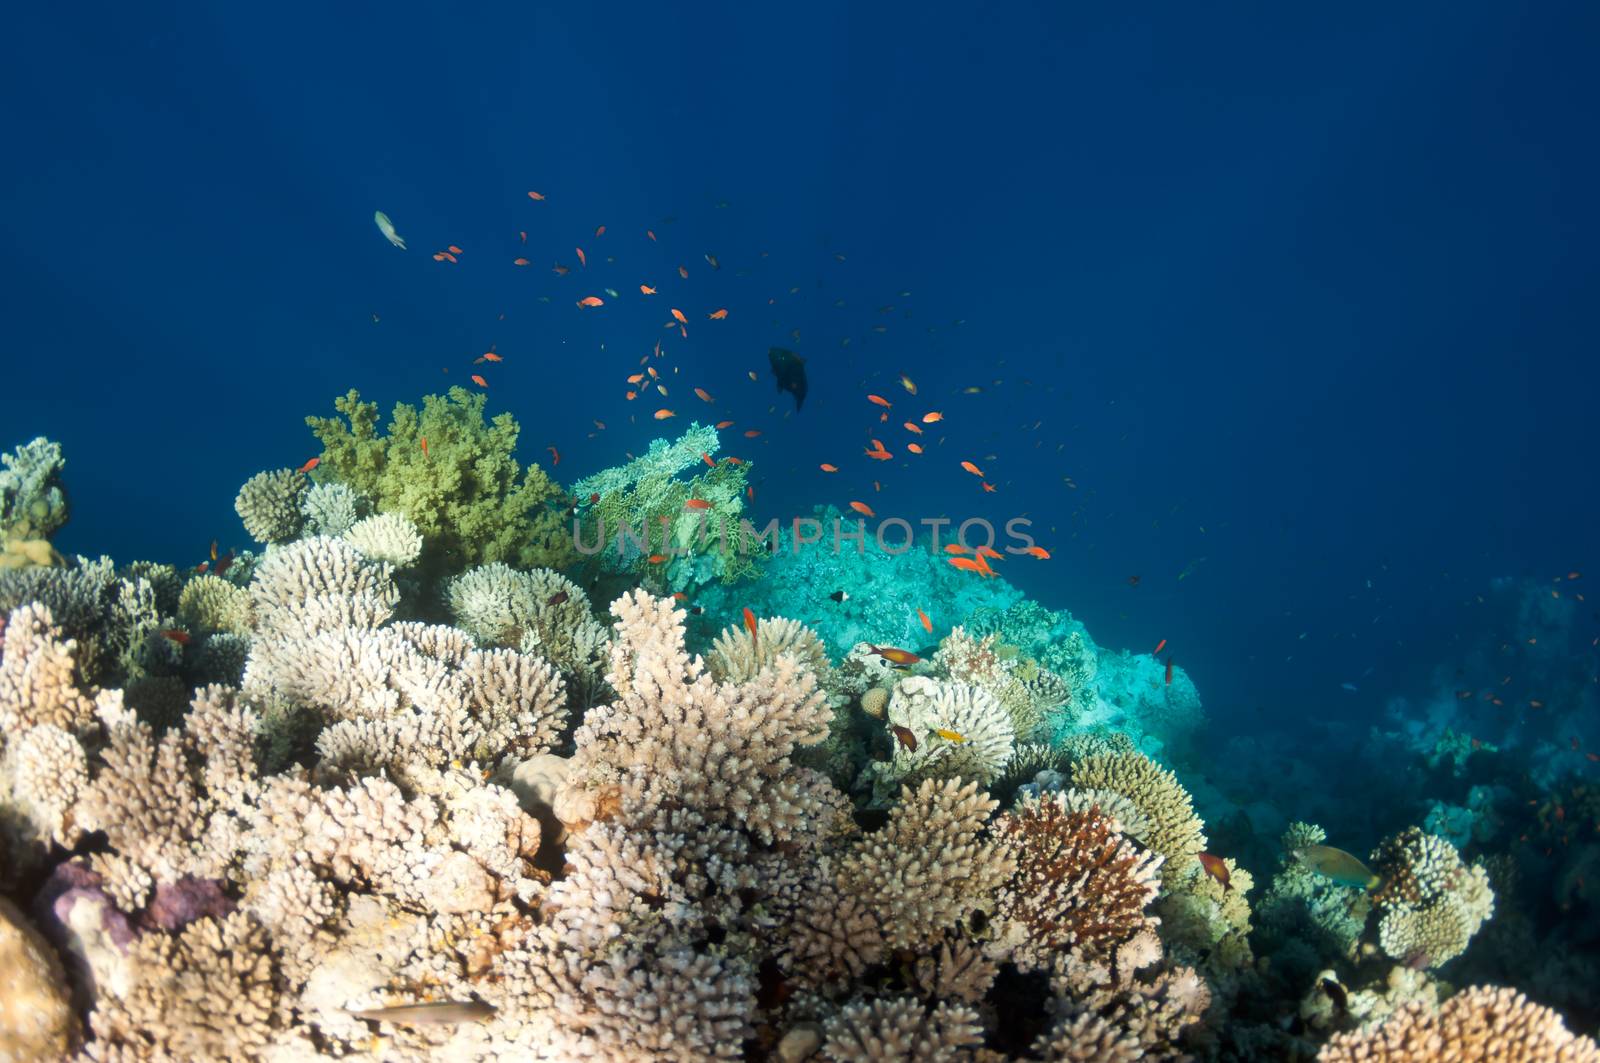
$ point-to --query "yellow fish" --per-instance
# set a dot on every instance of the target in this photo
(949, 736)
(386, 227)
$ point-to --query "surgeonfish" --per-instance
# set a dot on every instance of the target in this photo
(386, 227)
(1337, 865)
(439, 1011)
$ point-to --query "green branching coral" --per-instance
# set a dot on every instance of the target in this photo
(32, 504)
(466, 493)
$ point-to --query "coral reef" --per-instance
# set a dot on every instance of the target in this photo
(33, 506)
(1475, 1026)
(269, 505)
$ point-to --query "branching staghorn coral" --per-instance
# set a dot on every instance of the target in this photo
(1430, 903)
(958, 731)
(387, 537)
(465, 491)
(900, 1028)
(539, 611)
(269, 505)
(1477, 1025)
(1174, 830)
(1078, 883)
(32, 504)
(737, 655)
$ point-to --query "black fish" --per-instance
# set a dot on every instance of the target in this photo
(839, 596)
(789, 369)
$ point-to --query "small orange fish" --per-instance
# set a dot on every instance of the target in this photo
(535, 196)
(591, 300)
(683, 271)
(601, 231)
(478, 380)
(967, 564)
(825, 467)
(583, 259)
(704, 395)
(880, 400)
(438, 256)
(863, 509)
(911, 426)
(989, 551)
(630, 395)
(905, 736)
(448, 255)
(988, 488)
(752, 433)
(973, 469)
(1159, 647)
(930, 418)
(1038, 551)
(663, 413)
(490, 356)
(454, 250)
(949, 735)
(651, 233)
(559, 270)
(927, 625)
(645, 289)
(307, 467)
(915, 448)
(177, 635)
(750, 623)
(697, 503)
(733, 461)
(519, 262)
(213, 549)
(555, 456)
(678, 316)
(954, 548)
(424, 446)
(656, 559)
(894, 655)
(680, 596)
(717, 315)
(720, 425)
(1215, 867)
(637, 378)
(707, 459)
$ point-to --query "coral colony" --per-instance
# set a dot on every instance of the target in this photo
(419, 779)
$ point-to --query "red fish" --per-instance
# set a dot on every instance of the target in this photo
(697, 503)
(1169, 671)
(555, 456)
(213, 549)
(1159, 647)
(307, 467)
(478, 380)
(424, 446)
(750, 623)
(1215, 867)
(718, 315)
(535, 196)
(583, 259)
(720, 425)
(927, 625)
(177, 635)
(905, 736)
(863, 509)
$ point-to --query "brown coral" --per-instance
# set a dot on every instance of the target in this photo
(1477, 1025)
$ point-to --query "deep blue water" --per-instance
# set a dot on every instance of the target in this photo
(1307, 295)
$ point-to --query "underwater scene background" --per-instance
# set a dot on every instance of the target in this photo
(1261, 341)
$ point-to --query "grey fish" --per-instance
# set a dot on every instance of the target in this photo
(439, 1011)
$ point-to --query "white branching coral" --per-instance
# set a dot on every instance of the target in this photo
(676, 737)
(944, 730)
(929, 867)
(736, 655)
(319, 584)
(269, 505)
(210, 603)
(1431, 903)
(1477, 1025)
(331, 508)
(389, 537)
(539, 611)
(45, 771)
(901, 1029)
(39, 680)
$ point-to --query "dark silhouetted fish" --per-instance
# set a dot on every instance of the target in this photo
(790, 371)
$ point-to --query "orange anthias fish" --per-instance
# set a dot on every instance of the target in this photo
(645, 289)
(720, 425)
(1038, 551)
(927, 625)
(989, 551)
(912, 427)
(213, 549)
(600, 231)
(177, 635)
(677, 316)
(583, 259)
(751, 433)
(1215, 866)
(651, 233)
(863, 509)
(519, 262)
(591, 300)
(967, 564)
(954, 548)
(697, 503)
(949, 735)
(1159, 647)
(535, 196)
(707, 459)
(454, 250)
(750, 623)
(880, 400)
(930, 418)
(705, 396)
(490, 356)
(915, 448)
(478, 380)
(905, 736)
(663, 413)
(717, 315)
(555, 456)
(894, 655)
(307, 467)
(825, 467)
(424, 446)
(973, 469)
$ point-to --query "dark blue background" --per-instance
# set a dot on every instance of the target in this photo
(1322, 283)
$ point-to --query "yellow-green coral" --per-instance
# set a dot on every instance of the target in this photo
(466, 493)
(209, 603)
(1175, 831)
